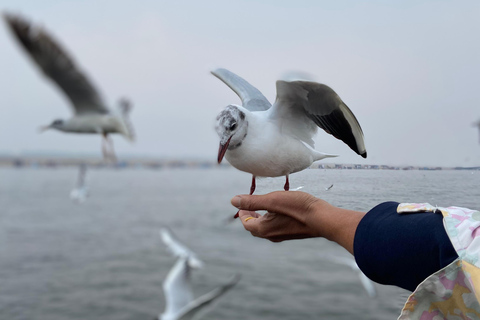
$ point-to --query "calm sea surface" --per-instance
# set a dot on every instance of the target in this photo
(104, 259)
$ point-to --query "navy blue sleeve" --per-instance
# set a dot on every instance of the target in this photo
(401, 249)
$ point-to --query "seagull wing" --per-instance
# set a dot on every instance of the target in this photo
(177, 288)
(252, 98)
(300, 105)
(204, 303)
(367, 284)
(57, 65)
(82, 173)
(178, 249)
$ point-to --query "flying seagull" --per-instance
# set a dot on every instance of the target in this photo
(91, 115)
(273, 141)
(366, 282)
(477, 124)
(80, 193)
(180, 302)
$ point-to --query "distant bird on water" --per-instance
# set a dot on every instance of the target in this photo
(180, 302)
(90, 112)
(273, 141)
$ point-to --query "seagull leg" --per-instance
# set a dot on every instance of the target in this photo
(104, 146)
(286, 187)
(107, 148)
(112, 155)
(252, 190)
(253, 186)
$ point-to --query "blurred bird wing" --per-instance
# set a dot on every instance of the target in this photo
(204, 303)
(177, 288)
(367, 284)
(82, 173)
(57, 65)
(178, 249)
(252, 98)
(300, 106)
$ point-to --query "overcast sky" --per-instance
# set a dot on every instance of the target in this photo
(409, 71)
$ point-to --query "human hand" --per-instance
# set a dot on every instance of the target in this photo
(297, 215)
(290, 215)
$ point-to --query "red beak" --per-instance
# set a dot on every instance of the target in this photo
(222, 149)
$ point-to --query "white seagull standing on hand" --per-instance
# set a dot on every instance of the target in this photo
(273, 141)
(90, 112)
(180, 302)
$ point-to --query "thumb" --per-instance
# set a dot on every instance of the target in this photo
(273, 202)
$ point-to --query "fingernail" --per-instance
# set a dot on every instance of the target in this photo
(236, 201)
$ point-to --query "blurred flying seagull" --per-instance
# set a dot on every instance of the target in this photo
(328, 188)
(477, 124)
(90, 112)
(366, 282)
(180, 302)
(80, 192)
(273, 141)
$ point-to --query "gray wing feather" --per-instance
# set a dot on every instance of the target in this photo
(319, 103)
(57, 65)
(252, 98)
(203, 303)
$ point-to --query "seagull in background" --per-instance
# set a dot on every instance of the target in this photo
(326, 189)
(366, 282)
(273, 141)
(180, 302)
(91, 115)
(80, 193)
(477, 124)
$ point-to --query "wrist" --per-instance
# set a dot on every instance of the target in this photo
(333, 223)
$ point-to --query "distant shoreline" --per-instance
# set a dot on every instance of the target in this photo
(59, 162)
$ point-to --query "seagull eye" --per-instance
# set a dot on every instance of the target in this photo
(233, 126)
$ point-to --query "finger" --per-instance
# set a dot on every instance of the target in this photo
(285, 202)
(249, 220)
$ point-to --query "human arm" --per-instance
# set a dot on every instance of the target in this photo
(390, 248)
(297, 215)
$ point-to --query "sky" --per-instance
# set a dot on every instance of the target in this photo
(409, 70)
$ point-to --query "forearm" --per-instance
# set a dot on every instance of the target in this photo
(335, 224)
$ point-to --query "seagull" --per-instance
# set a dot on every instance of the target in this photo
(180, 302)
(366, 282)
(273, 141)
(90, 112)
(477, 124)
(80, 193)
(326, 189)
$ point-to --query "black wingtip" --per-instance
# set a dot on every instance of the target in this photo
(364, 155)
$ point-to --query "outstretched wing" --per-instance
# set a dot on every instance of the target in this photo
(57, 65)
(177, 288)
(204, 303)
(299, 103)
(366, 282)
(252, 98)
(178, 249)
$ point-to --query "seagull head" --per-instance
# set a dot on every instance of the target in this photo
(231, 128)
(56, 124)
